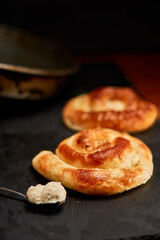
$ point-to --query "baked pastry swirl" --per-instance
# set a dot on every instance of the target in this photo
(97, 162)
(118, 108)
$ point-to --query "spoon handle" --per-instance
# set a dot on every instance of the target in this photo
(10, 190)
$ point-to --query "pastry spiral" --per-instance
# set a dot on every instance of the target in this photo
(97, 162)
(118, 108)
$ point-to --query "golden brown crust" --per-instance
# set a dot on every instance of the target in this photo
(97, 162)
(118, 108)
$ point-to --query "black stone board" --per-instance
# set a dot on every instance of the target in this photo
(28, 127)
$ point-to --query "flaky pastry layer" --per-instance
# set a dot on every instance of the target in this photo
(118, 108)
(97, 162)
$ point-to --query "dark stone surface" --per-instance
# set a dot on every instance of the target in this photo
(29, 127)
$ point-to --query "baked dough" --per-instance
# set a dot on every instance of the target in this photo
(97, 162)
(118, 108)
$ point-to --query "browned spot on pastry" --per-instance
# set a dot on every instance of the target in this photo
(130, 176)
(43, 166)
(84, 141)
(95, 159)
(87, 179)
(144, 146)
(109, 153)
(113, 93)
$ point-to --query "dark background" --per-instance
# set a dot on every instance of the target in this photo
(89, 26)
(28, 127)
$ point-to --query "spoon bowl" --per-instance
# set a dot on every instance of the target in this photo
(26, 197)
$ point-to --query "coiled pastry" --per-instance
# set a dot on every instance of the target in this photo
(97, 162)
(118, 108)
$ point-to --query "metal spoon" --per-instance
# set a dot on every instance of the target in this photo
(27, 199)
(13, 191)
